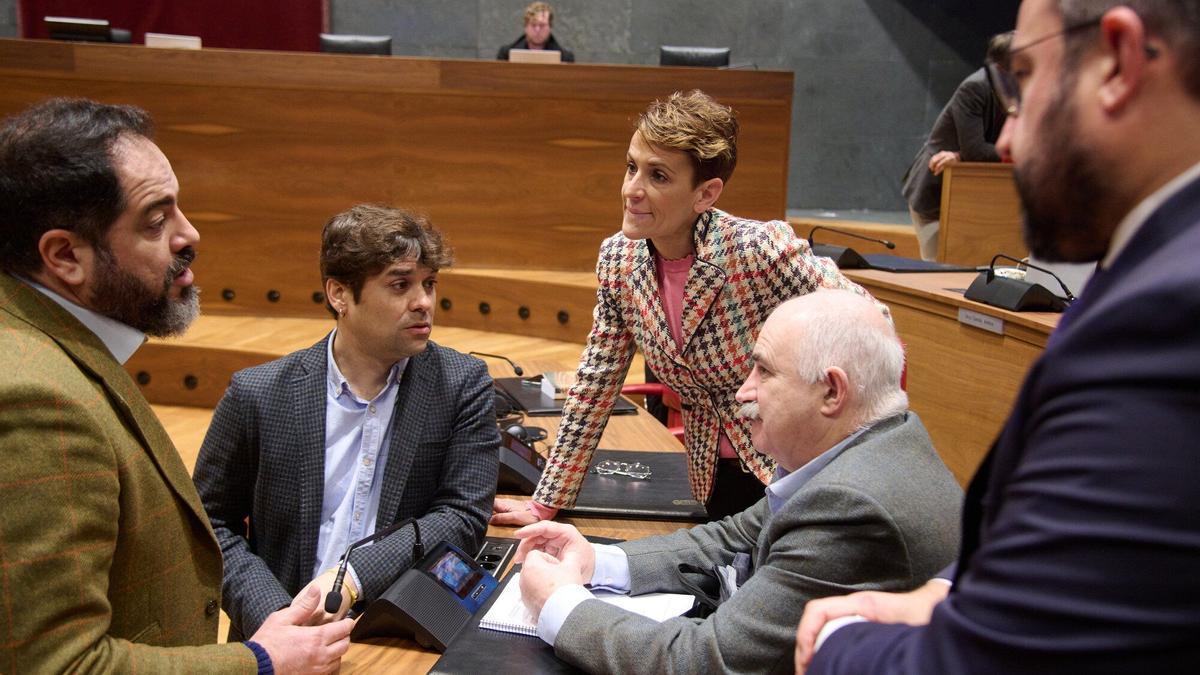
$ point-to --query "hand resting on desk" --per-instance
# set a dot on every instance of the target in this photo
(517, 512)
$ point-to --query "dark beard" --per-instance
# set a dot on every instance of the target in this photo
(123, 297)
(1067, 207)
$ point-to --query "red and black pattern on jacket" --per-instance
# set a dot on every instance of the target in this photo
(743, 270)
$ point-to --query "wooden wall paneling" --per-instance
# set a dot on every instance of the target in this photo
(520, 164)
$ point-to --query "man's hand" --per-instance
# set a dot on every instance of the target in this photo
(518, 512)
(913, 608)
(297, 648)
(562, 542)
(938, 162)
(323, 584)
(541, 575)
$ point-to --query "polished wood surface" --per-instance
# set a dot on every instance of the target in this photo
(519, 164)
(962, 380)
(981, 214)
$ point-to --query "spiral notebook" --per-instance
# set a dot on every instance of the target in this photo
(509, 614)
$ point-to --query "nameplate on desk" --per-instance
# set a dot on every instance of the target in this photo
(989, 323)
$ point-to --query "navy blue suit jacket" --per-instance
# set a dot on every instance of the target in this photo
(1081, 530)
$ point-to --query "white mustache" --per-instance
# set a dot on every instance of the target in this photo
(749, 410)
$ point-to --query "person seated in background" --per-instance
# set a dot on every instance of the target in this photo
(860, 501)
(689, 285)
(109, 561)
(539, 19)
(965, 131)
(1081, 528)
(373, 424)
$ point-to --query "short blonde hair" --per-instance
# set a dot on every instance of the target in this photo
(696, 124)
(537, 8)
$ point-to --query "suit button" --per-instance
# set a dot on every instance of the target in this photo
(210, 608)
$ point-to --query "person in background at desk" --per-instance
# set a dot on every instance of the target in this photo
(965, 131)
(109, 561)
(689, 285)
(1081, 529)
(860, 500)
(372, 425)
(539, 19)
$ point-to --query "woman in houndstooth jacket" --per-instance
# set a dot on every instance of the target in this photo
(690, 285)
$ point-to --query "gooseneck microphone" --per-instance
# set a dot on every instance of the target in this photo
(333, 600)
(885, 242)
(516, 369)
(991, 272)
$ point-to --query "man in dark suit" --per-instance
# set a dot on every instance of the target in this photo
(1081, 530)
(372, 425)
(965, 131)
(109, 562)
(539, 20)
(861, 501)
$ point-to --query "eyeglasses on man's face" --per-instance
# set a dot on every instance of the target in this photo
(1000, 75)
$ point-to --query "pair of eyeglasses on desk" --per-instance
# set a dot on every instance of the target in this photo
(611, 467)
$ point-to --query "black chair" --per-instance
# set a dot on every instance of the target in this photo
(356, 44)
(705, 57)
(85, 30)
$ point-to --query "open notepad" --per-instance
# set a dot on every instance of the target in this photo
(510, 615)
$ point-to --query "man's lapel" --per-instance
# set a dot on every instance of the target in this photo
(93, 358)
(413, 400)
(308, 445)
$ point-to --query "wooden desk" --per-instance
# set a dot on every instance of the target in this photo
(980, 214)
(962, 380)
(519, 164)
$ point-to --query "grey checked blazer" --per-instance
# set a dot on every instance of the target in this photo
(263, 458)
(883, 515)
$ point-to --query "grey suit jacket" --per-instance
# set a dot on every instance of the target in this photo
(883, 515)
(264, 455)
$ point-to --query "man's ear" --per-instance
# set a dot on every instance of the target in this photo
(1123, 40)
(66, 258)
(707, 194)
(837, 392)
(339, 295)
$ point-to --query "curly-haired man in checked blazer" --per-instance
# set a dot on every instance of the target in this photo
(371, 425)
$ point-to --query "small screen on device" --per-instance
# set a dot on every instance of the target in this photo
(455, 573)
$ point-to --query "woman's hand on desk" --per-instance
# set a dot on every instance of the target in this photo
(520, 512)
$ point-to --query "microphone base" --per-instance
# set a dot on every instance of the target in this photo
(844, 257)
(1014, 295)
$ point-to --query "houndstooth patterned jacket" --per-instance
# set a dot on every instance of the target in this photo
(743, 269)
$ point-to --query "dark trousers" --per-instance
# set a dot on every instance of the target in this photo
(734, 490)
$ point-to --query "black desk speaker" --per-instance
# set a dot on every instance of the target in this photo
(431, 602)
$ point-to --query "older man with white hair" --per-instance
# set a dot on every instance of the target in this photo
(860, 501)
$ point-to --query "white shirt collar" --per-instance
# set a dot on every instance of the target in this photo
(121, 340)
(1133, 221)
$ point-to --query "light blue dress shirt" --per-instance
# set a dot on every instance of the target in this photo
(356, 444)
(611, 570)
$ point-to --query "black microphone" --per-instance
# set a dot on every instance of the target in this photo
(333, 600)
(516, 369)
(991, 272)
(885, 242)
